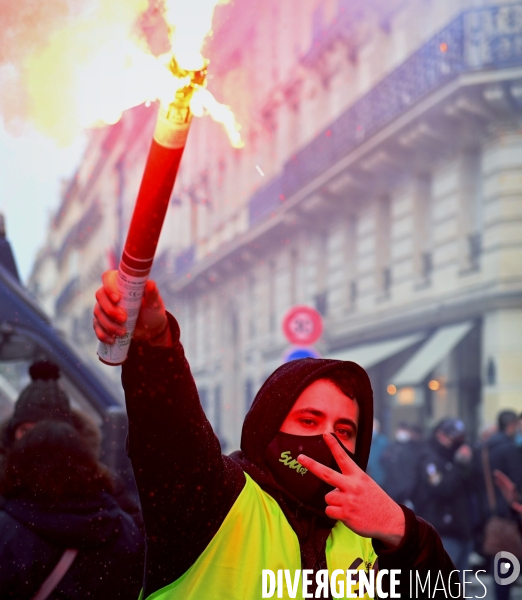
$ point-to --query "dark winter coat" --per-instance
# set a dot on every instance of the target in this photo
(442, 494)
(187, 487)
(33, 537)
(375, 469)
(401, 465)
(505, 456)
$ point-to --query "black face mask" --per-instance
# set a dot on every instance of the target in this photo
(281, 458)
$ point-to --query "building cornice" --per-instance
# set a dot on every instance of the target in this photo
(418, 315)
(348, 174)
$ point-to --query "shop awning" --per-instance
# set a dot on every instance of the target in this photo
(368, 355)
(430, 354)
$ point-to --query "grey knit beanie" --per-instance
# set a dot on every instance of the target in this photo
(42, 399)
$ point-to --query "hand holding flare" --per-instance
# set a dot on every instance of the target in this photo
(358, 501)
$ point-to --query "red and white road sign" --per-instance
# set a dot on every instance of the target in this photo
(302, 325)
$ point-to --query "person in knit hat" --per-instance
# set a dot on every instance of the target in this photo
(42, 399)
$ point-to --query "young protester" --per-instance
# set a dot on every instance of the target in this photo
(295, 497)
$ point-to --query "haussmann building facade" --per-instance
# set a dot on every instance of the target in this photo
(381, 183)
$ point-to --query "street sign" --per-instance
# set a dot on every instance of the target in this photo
(297, 353)
(302, 325)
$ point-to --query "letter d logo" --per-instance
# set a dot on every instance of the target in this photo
(503, 563)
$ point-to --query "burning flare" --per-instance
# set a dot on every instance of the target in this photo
(90, 63)
(189, 24)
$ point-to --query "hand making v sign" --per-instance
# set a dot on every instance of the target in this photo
(358, 501)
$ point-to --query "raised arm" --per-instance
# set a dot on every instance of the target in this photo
(186, 486)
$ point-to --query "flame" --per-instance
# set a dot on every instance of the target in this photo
(189, 24)
(97, 65)
(203, 102)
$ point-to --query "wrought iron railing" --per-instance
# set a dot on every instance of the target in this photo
(477, 39)
(184, 261)
(162, 264)
(266, 200)
(69, 292)
(80, 234)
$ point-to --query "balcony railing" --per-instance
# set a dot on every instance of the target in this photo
(477, 39)
(69, 292)
(184, 261)
(80, 234)
(162, 264)
(266, 200)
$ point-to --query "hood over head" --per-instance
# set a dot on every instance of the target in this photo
(271, 405)
(280, 392)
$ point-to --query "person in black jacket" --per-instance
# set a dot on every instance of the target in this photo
(57, 497)
(188, 489)
(400, 463)
(45, 399)
(505, 464)
(505, 456)
(442, 492)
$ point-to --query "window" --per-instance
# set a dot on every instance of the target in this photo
(321, 265)
(294, 260)
(383, 245)
(249, 394)
(203, 398)
(350, 259)
(353, 293)
(321, 303)
(217, 410)
(251, 308)
(271, 297)
(470, 210)
(317, 21)
(423, 229)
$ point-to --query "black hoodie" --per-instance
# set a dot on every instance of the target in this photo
(186, 485)
(34, 536)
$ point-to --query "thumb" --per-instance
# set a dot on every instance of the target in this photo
(151, 296)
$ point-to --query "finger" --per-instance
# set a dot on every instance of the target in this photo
(325, 473)
(102, 335)
(517, 506)
(109, 279)
(335, 497)
(112, 311)
(335, 512)
(346, 464)
(109, 325)
(151, 295)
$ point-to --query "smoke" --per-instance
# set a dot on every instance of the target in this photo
(58, 57)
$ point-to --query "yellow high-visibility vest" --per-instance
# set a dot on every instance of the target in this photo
(256, 535)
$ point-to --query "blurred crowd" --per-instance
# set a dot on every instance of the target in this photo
(470, 492)
(71, 528)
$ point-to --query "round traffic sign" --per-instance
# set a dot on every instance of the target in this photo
(302, 325)
(297, 353)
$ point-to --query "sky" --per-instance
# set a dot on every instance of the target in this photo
(32, 168)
